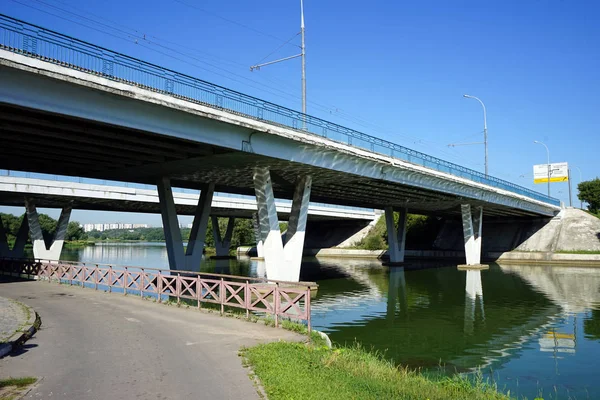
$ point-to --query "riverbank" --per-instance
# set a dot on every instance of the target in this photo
(296, 370)
(587, 258)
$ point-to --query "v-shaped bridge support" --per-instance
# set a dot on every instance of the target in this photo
(191, 258)
(282, 260)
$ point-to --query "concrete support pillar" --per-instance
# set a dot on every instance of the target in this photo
(18, 250)
(47, 248)
(222, 244)
(282, 262)
(191, 258)
(396, 237)
(472, 233)
(258, 235)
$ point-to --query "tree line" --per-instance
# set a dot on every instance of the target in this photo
(243, 231)
(589, 191)
(48, 224)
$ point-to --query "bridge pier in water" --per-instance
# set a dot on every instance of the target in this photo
(191, 258)
(396, 237)
(282, 260)
(222, 243)
(472, 233)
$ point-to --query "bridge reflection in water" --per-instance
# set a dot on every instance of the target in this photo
(538, 327)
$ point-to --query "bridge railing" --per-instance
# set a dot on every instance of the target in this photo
(34, 41)
(282, 300)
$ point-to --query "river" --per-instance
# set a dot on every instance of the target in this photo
(533, 330)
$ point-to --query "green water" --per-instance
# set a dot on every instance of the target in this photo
(531, 329)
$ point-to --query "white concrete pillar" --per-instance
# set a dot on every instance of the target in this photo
(47, 248)
(18, 250)
(282, 262)
(222, 244)
(178, 260)
(396, 237)
(472, 233)
(258, 235)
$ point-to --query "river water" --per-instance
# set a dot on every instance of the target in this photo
(533, 330)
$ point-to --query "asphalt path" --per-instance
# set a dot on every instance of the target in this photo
(96, 345)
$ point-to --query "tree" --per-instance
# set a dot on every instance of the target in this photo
(75, 232)
(589, 191)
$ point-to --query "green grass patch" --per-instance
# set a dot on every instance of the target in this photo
(578, 252)
(18, 382)
(300, 371)
(15, 388)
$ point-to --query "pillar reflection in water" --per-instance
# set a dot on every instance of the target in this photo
(396, 292)
(473, 292)
(261, 268)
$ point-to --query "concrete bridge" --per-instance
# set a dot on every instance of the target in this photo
(120, 118)
(54, 193)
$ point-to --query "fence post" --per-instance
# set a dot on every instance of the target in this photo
(110, 278)
(276, 295)
(198, 290)
(307, 305)
(221, 297)
(142, 274)
(178, 287)
(125, 281)
(246, 301)
(96, 277)
(80, 276)
(159, 286)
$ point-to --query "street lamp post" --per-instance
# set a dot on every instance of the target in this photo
(580, 180)
(302, 55)
(548, 156)
(484, 130)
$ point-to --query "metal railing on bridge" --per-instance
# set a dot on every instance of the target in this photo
(287, 300)
(34, 41)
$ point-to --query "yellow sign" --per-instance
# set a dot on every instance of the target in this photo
(552, 179)
(558, 172)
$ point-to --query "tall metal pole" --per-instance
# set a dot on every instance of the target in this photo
(569, 178)
(548, 156)
(484, 130)
(303, 52)
(580, 180)
(301, 55)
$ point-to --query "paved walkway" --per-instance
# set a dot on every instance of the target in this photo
(96, 345)
(12, 317)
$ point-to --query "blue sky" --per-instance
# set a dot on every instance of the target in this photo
(396, 70)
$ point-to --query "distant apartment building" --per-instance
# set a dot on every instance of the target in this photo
(116, 225)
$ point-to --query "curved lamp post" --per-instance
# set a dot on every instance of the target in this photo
(484, 130)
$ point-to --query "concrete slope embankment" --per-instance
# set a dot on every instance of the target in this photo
(571, 230)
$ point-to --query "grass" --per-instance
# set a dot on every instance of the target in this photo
(300, 371)
(18, 382)
(14, 388)
(578, 252)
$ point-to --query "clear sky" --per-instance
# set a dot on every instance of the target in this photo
(393, 69)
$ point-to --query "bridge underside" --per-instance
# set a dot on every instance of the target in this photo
(39, 141)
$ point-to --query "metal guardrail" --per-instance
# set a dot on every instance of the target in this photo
(34, 41)
(289, 300)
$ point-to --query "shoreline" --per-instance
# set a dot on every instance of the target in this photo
(515, 257)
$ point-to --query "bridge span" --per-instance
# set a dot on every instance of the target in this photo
(72, 108)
